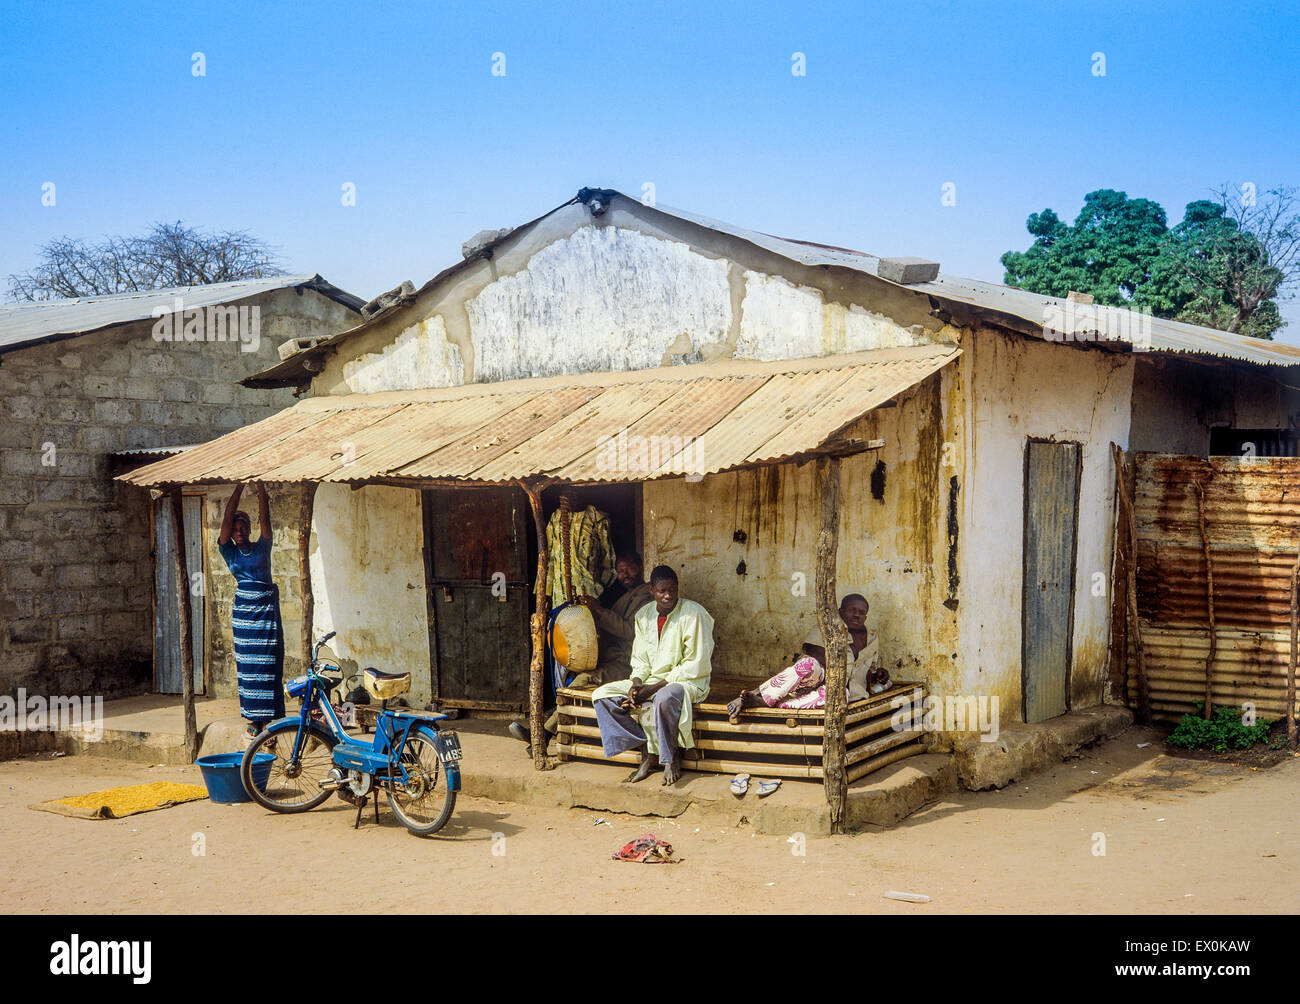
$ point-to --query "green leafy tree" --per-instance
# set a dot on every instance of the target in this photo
(1223, 266)
(1108, 252)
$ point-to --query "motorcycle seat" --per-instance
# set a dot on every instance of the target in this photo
(383, 686)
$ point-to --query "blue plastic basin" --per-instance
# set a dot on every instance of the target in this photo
(221, 775)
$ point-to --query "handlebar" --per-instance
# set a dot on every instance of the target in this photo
(317, 647)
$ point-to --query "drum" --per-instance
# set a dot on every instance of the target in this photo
(573, 639)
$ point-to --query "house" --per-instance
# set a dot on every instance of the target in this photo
(682, 373)
(93, 386)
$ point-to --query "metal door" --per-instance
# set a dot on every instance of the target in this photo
(476, 551)
(166, 621)
(1051, 538)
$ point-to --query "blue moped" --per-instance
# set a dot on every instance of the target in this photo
(414, 762)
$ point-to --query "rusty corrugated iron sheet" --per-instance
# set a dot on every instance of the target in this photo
(1252, 518)
(599, 427)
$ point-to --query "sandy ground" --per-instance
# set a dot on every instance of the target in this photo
(1181, 836)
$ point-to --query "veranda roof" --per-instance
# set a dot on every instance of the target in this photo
(580, 429)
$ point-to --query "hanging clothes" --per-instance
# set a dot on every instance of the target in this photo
(591, 554)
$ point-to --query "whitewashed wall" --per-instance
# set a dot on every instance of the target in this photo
(575, 295)
(891, 550)
(367, 572)
(1020, 389)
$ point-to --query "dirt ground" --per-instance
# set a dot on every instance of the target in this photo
(1180, 836)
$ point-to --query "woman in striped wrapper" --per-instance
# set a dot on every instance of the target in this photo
(259, 635)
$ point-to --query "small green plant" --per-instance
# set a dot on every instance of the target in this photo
(1223, 732)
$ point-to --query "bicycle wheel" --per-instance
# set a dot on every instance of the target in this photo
(424, 803)
(291, 787)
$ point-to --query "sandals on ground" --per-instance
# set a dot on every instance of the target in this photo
(740, 784)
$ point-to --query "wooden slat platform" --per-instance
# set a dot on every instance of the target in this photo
(775, 741)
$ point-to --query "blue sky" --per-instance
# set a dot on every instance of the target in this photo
(697, 98)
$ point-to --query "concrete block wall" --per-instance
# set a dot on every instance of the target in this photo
(76, 566)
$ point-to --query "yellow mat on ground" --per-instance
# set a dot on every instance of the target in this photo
(114, 803)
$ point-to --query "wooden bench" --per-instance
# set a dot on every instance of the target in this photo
(775, 741)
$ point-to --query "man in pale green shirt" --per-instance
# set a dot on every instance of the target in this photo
(652, 711)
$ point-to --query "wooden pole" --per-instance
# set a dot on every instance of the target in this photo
(1119, 598)
(1135, 629)
(1209, 597)
(836, 636)
(186, 628)
(1290, 674)
(537, 668)
(305, 508)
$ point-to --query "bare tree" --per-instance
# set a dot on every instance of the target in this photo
(170, 254)
(1236, 256)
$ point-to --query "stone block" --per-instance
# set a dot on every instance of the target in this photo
(25, 462)
(22, 408)
(165, 414)
(78, 626)
(158, 363)
(115, 412)
(142, 388)
(29, 632)
(70, 410)
(100, 439)
(75, 576)
(69, 601)
(15, 491)
(55, 383)
(100, 385)
(15, 434)
(907, 270)
(218, 392)
(177, 389)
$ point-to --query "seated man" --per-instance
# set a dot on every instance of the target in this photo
(801, 686)
(616, 631)
(671, 664)
(616, 624)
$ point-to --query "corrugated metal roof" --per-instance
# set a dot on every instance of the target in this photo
(46, 320)
(697, 419)
(1026, 311)
(1155, 334)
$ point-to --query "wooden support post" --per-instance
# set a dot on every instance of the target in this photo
(305, 509)
(537, 668)
(1290, 674)
(1209, 598)
(1135, 629)
(186, 627)
(1118, 649)
(836, 636)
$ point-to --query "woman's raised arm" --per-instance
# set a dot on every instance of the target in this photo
(228, 520)
(263, 513)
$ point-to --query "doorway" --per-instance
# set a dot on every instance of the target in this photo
(476, 576)
(1050, 546)
(480, 556)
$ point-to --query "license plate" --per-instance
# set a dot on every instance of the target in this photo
(449, 746)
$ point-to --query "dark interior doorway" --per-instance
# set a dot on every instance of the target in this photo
(480, 559)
